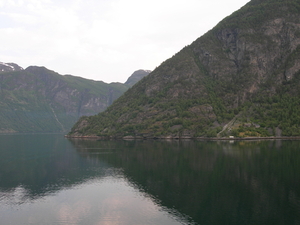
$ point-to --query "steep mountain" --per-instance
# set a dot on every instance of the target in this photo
(136, 76)
(242, 78)
(39, 100)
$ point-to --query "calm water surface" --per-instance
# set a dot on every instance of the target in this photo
(47, 179)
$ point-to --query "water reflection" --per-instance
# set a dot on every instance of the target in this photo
(46, 179)
(41, 165)
(246, 182)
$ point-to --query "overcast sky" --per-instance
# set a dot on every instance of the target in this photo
(104, 39)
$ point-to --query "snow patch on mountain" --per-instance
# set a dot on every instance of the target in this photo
(8, 67)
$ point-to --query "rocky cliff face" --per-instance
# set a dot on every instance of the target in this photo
(241, 60)
(61, 89)
(39, 100)
(244, 71)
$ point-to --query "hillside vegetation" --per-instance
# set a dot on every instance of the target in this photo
(239, 79)
(39, 100)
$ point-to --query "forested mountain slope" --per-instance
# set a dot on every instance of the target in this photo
(241, 78)
(39, 100)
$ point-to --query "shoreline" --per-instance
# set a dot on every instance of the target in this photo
(184, 138)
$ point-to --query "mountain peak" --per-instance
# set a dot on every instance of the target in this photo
(242, 78)
(137, 76)
(9, 67)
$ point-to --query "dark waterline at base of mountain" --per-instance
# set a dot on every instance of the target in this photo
(181, 138)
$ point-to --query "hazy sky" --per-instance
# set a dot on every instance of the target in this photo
(104, 39)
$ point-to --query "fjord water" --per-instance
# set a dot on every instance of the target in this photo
(47, 179)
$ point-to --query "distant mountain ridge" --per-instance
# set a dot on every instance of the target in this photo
(240, 79)
(8, 67)
(40, 100)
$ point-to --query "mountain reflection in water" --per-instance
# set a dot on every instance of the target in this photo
(49, 179)
(44, 180)
(244, 182)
